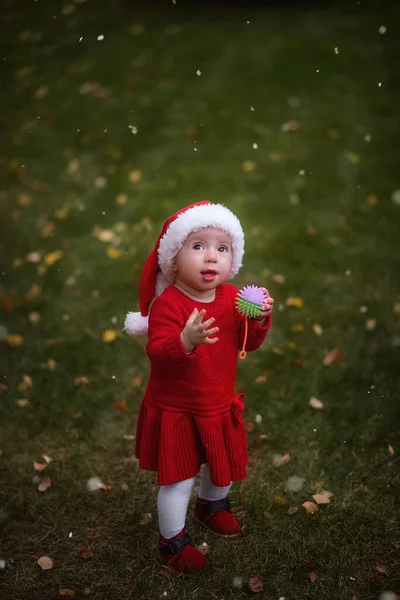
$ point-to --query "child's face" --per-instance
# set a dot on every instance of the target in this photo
(205, 259)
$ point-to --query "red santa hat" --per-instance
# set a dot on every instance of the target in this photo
(158, 271)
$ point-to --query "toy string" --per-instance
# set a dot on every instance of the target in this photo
(243, 353)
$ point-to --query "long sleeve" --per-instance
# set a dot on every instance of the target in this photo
(256, 333)
(165, 327)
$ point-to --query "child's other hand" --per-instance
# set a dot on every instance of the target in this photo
(196, 332)
(267, 308)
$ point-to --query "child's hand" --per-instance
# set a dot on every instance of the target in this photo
(195, 332)
(267, 308)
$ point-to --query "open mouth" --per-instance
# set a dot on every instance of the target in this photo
(209, 275)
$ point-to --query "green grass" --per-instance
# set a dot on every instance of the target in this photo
(321, 230)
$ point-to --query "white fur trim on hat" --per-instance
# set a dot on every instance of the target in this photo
(135, 324)
(193, 219)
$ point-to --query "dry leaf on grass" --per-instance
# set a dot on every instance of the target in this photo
(315, 403)
(22, 402)
(66, 593)
(279, 278)
(312, 577)
(45, 563)
(39, 466)
(44, 484)
(321, 498)
(109, 335)
(84, 553)
(279, 499)
(292, 510)
(310, 507)
(129, 438)
(391, 450)
(294, 301)
(146, 518)
(83, 380)
(256, 584)
(14, 340)
(333, 355)
(48, 459)
(382, 569)
(317, 329)
(280, 459)
(260, 379)
(121, 406)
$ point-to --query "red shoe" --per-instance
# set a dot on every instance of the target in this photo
(180, 553)
(217, 517)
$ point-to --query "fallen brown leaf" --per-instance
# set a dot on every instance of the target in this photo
(321, 498)
(129, 438)
(44, 484)
(382, 569)
(333, 355)
(317, 329)
(84, 553)
(22, 402)
(83, 380)
(310, 507)
(260, 379)
(292, 510)
(39, 466)
(391, 450)
(146, 518)
(279, 499)
(315, 403)
(45, 563)
(250, 426)
(312, 577)
(256, 584)
(66, 593)
(121, 406)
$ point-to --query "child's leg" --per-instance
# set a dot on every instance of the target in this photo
(207, 490)
(172, 504)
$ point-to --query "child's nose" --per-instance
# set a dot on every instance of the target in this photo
(211, 255)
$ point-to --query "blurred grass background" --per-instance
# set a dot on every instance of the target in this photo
(114, 117)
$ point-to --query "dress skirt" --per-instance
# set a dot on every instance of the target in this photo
(176, 443)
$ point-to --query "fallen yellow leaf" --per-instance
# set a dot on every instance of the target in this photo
(372, 199)
(121, 199)
(352, 157)
(52, 257)
(14, 339)
(109, 335)
(298, 327)
(114, 253)
(294, 301)
(279, 499)
(248, 166)
(135, 176)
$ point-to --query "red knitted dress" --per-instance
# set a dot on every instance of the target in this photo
(190, 413)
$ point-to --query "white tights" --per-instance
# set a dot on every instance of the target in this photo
(173, 501)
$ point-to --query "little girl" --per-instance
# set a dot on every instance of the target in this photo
(190, 414)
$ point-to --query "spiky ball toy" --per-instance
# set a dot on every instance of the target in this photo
(250, 301)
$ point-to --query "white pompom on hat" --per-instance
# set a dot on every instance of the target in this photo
(158, 271)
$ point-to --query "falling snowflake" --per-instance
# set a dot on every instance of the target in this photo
(251, 108)
(198, 72)
(81, 38)
(100, 38)
(380, 84)
(133, 129)
(255, 146)
(367, 137)
(302, 172)
(336, 50)
(382, 29)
